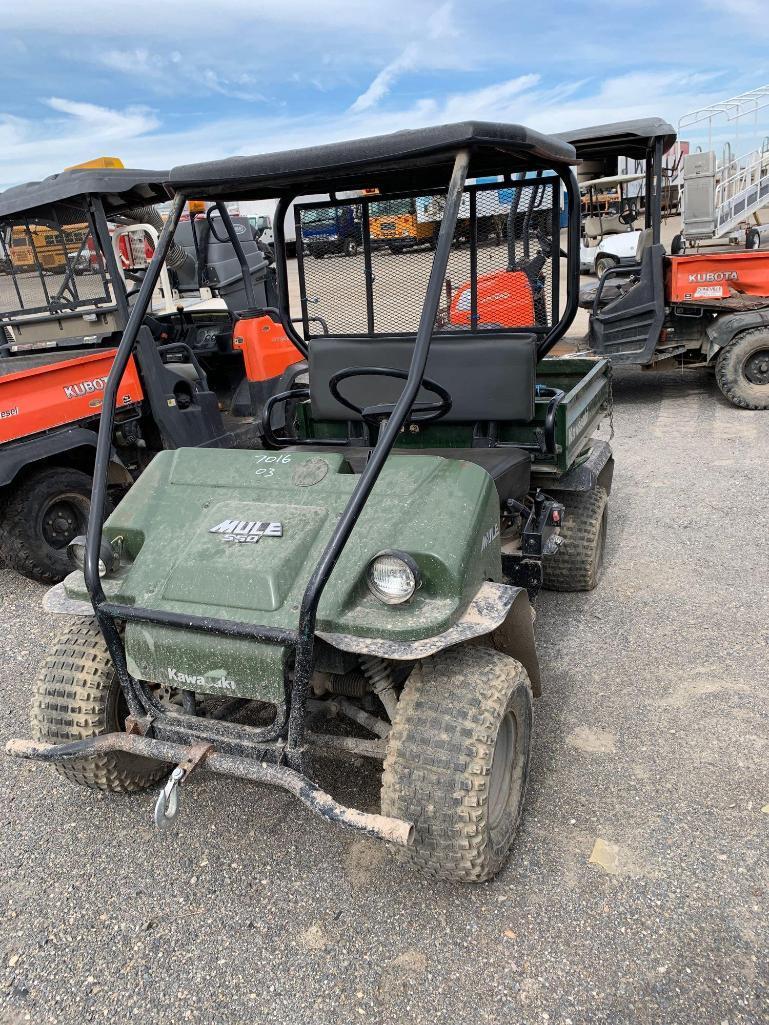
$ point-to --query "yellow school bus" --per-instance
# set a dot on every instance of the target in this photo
(51, 247)
(394, 224)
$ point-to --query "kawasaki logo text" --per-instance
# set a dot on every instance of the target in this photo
(194, 680)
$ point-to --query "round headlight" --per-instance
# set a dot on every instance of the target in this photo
(109, 554)
(393, 577)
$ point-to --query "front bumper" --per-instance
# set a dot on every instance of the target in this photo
(381, 827)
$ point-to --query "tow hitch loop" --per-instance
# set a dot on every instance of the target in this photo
(167, 804)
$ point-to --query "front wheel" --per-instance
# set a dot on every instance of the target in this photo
(577, 563)
(351, 247)
(43, 513)
(77, 696)
(604, 263)
(457, 761)
(742, 370)
(752, 238)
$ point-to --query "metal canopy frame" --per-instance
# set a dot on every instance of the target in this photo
(91, 210)
(646, 139)
(301, 640)
(515, 183)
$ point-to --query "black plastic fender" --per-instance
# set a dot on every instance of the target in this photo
(15, 456)
(723, 330)
(597, 469)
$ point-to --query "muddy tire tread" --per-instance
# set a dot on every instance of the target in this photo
(732, 384)
(17, 548)
(572, 567)
(70, 702)
(438, 764)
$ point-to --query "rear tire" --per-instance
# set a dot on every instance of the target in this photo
(351, 247)
(77, 696)
(753, 239)
(578, 562)
(457, 761)
(742, 370)
(43, 513)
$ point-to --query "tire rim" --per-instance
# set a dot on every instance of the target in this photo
(502, 764)
(756, 367)
(62, 519)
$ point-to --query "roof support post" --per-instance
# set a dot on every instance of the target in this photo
(107, 418)
(388, 435)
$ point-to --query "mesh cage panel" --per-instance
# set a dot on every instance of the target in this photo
(364, 263)
(48, 267)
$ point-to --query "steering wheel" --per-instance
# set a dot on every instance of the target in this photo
(371, 414)
(628, 213)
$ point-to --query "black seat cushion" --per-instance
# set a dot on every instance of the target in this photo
(509, 468)
(489, 376)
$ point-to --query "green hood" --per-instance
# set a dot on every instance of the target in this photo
(236, 535)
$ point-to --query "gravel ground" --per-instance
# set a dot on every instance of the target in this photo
(652, 742)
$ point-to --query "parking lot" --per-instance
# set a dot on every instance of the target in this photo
(636, 890)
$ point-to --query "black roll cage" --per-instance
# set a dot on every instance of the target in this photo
(141, 705)
(653, 188)
(94, 216)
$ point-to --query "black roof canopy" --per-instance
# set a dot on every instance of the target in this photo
(118, 188)
(620, 138)
(413, 159)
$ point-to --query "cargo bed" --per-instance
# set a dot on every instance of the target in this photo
(586, 381)
(49, 389)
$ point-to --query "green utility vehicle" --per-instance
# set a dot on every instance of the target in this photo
(375, 563)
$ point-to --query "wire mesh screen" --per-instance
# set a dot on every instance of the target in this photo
(50, 267)
(364, 263)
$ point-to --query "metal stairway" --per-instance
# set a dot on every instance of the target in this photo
(742, 189)
(731, 190)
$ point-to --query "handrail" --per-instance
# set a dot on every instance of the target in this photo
(745, 176)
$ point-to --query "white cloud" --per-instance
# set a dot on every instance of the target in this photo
(383, 82)
(73, 131)
(30, 150)
(104, 122)
(425, 52)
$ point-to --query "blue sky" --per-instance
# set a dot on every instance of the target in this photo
(163, 83)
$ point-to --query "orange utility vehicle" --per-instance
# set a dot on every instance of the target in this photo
(202, 370)
(701, 309)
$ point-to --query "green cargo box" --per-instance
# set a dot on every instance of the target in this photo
(586, 380)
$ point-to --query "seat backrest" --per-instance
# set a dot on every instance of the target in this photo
(607, 224)
(645, 239)
(488, 376)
